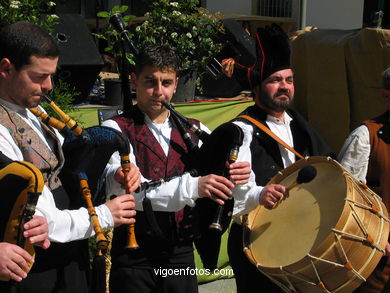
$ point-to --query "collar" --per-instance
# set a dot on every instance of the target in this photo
(150, 123)
(16, 108)
(287, 119)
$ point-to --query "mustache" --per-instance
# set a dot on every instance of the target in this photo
(282, 92)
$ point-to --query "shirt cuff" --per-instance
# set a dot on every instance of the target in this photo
(192, 189)
(246, 199)
(105, 217)
(112, 186)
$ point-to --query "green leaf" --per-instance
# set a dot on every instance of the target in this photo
(103, 14)
(123, 8)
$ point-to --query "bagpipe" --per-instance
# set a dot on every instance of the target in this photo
(217, 148)
(87, 152)
(21, 184)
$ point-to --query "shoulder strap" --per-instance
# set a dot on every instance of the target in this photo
(270, 133)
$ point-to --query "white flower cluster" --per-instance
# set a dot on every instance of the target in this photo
(14, 4)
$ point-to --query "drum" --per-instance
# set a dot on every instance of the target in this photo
(327, 236)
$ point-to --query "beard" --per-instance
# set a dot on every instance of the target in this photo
(33, 101)
(275, 104)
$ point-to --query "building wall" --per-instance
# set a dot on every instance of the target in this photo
(230, 6)
(329, 14)
(335, 14)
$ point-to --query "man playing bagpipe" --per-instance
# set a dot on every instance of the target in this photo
(28, 59)
(165, 231)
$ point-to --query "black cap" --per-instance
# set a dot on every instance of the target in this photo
(273, 52)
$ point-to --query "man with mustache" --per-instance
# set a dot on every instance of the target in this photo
(28, 59)
(272, 81)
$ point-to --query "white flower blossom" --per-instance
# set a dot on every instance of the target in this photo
(51, 3)
(176, 13)
(174, 4)
(138, 29)
(189, 35)
(174, 35)
(54, 16)
(14, 4)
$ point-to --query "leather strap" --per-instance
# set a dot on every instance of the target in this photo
(270, 133)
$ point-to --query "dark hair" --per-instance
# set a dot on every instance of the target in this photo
(22, 39)
(161, 57)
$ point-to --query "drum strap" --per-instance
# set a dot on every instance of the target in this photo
(270, 133)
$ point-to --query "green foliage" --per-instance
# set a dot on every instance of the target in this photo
(28, 10)
(112, 37)
(62, 94)
(38, 12)
(191, 31)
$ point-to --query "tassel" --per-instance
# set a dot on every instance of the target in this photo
(98, 282)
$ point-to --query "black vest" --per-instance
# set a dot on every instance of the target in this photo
(266, 158)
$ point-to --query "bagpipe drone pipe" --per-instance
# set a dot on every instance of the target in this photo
(21, 184)
(87, 152)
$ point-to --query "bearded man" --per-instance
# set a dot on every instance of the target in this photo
(272, 81)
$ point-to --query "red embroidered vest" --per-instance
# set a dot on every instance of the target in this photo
(154, 164)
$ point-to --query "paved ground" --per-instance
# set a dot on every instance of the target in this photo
(219, 286)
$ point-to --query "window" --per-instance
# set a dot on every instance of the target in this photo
(274, 8)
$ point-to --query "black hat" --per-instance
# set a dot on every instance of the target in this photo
(273, 51)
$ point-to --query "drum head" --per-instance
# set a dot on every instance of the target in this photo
(286, 234)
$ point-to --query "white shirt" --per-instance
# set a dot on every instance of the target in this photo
(64, 225)
(248, 196)
(176, 193)
(355, 153)
(283, 131)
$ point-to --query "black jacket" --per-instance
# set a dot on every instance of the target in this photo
(266, 158)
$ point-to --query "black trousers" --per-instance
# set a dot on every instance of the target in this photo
(248, 278)
(173, 274)
(63, 268)
(68, 279)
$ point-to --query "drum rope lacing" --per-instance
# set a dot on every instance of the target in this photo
(287, 274)
(373, 208)
(320, 283)
(367, 238)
